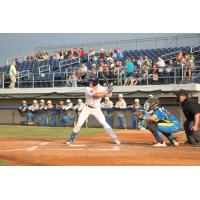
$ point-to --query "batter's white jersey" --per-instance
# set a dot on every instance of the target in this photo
(93, 101)
(93, 107)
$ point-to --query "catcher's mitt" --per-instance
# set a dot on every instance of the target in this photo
(140, 114)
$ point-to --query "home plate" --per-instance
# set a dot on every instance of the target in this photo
(77, 145)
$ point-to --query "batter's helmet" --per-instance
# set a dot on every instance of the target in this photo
(94, 80)
(153, 103)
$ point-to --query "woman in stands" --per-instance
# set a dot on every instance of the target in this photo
(129, 72)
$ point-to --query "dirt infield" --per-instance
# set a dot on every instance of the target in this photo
(97, 151)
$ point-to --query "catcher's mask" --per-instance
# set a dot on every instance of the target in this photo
(153, 104)
(94, 80)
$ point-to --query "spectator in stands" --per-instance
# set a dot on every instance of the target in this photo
(136, 107)
(83, 70)
(161, 68)
(120, 104)
(129, 72)
(102, 54)
(180, 64)
(169, 71)
(56, 56)
(187, 71)
(115, 54)
(154, 74)
(13, 74)
(72, 81)
(120, 68)
(82, 54)
(119, 54)
(91, 54)
(144, 72)
(140, 61)
(109, 54)
(179, 57)
(107, 106)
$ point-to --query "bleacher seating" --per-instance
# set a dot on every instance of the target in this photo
(45, 79)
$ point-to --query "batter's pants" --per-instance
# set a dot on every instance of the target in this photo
(98, 114)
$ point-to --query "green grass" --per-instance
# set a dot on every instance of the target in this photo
(3, 162)
(24, 132)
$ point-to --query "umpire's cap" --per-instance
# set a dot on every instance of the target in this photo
(182, 93)
(94, 80)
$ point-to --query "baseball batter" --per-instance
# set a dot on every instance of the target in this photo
(93, 96)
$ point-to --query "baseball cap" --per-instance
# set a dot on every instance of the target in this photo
(150, 95)
(181, 93)
(42, 101)
(106, 98)
(137, 100)
(34, 101)
(23, 102)
(120, 95)
(79, 100)
(68, 101)
(49, 101)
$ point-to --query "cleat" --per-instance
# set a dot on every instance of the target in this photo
(117, 142)
(141, 129)
(159, 145)
(68, 142)
(175, 143)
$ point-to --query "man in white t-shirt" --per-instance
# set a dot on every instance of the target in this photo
(93, 96)
(120, 104)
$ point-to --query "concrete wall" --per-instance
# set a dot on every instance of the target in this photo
(12, 116)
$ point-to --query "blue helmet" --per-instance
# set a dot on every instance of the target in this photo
(153, 104)
(94, 80)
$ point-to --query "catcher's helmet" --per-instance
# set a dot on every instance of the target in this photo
(94, 80)
(153, 104)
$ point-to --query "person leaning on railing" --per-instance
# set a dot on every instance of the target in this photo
(135, 108)
(23, 110)
(107, 108)
(120, 105)
(13, 74)
(32, 115)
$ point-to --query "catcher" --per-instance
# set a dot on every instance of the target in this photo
(161, 122)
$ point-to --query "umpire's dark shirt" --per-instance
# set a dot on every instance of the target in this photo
(190, 108)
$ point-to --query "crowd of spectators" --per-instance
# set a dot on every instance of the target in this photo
(120, 69)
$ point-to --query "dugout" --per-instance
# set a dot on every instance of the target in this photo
(10, 99)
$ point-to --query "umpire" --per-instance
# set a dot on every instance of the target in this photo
(191, 110)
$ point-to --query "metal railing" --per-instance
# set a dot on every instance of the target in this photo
(149, 42)
(139, 43)
(44, 68)
(68, 62)
(118, 77)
